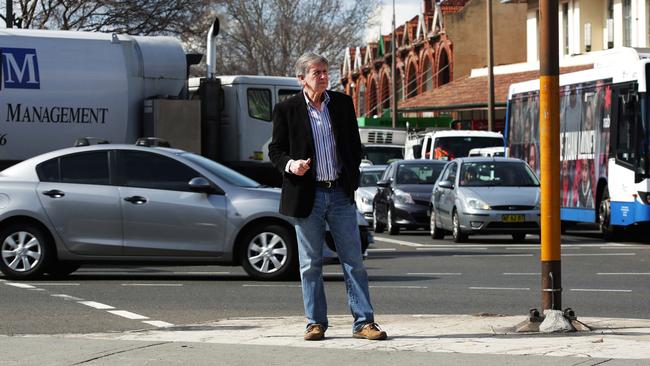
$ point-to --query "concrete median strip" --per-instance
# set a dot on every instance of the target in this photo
(611, 338)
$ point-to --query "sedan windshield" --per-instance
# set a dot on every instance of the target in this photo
(369, 178)
(418, 174)
(224, 173)
(497, 173)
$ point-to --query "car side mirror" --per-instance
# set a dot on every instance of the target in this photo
(446, 184)
(383, 183)
(202, 185)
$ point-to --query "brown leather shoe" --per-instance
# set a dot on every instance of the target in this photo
(370, 331)
(314, 332)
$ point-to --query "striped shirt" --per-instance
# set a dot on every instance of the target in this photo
(327, 166)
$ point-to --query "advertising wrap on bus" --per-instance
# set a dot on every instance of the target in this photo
(603, 142)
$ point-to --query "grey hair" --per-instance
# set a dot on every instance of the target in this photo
(307, 59)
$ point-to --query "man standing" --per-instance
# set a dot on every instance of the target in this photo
(316, 146)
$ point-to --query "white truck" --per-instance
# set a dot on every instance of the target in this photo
(382, 145)
(57, 86)
(449, 144)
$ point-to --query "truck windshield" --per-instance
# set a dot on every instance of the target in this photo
(382, 155)
(453, 147)
(224, 173)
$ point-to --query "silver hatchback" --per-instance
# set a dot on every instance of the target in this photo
(133, 204)
(485, 196)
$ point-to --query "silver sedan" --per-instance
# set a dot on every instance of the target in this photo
(139, 204)
(485, 196)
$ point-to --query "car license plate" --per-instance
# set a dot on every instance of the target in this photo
(513, 218)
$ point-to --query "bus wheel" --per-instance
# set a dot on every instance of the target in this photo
(608, 230)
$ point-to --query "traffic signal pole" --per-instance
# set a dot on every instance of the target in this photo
(549, 135)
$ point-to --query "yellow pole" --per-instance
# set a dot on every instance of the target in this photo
(549, 135)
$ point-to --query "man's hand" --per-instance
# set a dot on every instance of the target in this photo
(300, 167)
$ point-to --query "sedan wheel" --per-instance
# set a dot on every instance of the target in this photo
(377, 226)
(390, 224)
(436, 232)
(457, 233)
(25, 251)
(269, 253)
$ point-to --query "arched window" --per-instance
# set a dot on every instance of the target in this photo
(444, 74)
(361, 101)
(372, 99)
(412, 83)
(427, 75)
(400, 85)
(385, 92)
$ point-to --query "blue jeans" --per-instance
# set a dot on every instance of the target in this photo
(334, 207)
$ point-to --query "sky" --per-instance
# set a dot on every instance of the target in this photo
(404, 10)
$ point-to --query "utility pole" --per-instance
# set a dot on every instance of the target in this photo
(393, 73)
(549, 136)
(490, 59)
(9, 18)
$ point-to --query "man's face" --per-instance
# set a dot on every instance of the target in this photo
(316, 79)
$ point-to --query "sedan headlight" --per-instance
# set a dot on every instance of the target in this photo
(367, 199)
(403, 197)
(477, 204)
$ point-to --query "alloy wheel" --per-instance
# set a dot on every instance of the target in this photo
(21, 251)
(267, 252)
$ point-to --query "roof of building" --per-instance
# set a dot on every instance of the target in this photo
(471, 92)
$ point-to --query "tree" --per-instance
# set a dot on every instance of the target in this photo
(186, 19)
(266, 37)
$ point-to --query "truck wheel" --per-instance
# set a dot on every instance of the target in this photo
(26, 251)
(270, 252)
(377, 226)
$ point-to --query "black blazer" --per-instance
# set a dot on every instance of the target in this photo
(293, 139)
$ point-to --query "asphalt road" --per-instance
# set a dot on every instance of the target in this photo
(410, 274)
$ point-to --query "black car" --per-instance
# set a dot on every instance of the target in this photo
(403, 195)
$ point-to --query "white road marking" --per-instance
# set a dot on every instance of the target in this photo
(203, 273)
(19, 285)
(36, 289)
(626, 247)
(624, 273)
(250, 285)
(158, 323)
(96, 305)
(434, 274)
(522, 274)
(501, 288)
(596, 254)
(448, 248)
(128, 314)
(154, 284)
(492, 255)
(332, 273)
(55, 284)
(382, 250)
(406, 287)
(400, 242)
(67, 297)
(598, 290)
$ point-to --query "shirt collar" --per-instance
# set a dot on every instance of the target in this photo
(326, 98)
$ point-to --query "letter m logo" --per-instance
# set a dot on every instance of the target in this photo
(19, 68)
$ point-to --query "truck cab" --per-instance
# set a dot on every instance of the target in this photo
(451, 144)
